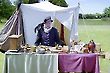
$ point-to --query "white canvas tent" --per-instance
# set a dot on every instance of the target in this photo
(30, 15)
(33, 14)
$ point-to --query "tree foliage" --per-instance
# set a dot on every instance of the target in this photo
(6, 8)
(16, 2)
(106, 12)
(59, 2)
(33, 1)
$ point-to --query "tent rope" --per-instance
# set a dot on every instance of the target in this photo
(85, 23)
(78, 3)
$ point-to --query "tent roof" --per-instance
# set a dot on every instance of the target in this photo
(45, 9)
(46, 6)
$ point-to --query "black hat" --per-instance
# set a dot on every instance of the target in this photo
(47, 18)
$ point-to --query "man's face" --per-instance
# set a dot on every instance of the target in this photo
(48, 23)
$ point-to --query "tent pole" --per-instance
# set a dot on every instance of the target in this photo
(69, 42)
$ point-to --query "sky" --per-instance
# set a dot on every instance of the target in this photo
(89, 6)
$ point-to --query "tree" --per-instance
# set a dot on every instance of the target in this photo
(80, 16)
(107, 12)
(6, 8)
(59, 2)
(16, 2)
(98, 15)
(90, 16)
(33, 1)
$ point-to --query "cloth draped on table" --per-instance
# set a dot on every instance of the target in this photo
(49, 63)
(79, 63)
(31, 63)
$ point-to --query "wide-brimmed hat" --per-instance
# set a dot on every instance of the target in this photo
(48, 19)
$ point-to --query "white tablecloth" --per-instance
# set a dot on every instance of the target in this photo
(31, 63)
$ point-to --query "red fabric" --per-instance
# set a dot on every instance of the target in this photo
(78, 63)
(62, 33)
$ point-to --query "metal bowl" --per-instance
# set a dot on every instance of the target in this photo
(41, 51)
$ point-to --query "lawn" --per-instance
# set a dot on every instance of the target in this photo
(100, 34)
(104, 65)
(97, 30)
(1, 55)
(1, 62)
(94, 29)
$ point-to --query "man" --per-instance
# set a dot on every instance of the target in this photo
(47, 35)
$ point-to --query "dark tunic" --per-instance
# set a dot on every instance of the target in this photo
(48, 39)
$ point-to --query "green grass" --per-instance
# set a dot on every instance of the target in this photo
(2, 55)
(94, 22)
(97, 30)
(99, 33)
(104, 65)
(1, 62)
